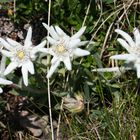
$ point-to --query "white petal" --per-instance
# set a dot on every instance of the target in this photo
(82, 43)
(51, 31)
(59, 31)
(5, 82)
(51, 40)
(13, 42)
(38, 48)
(47, 51)
(79, 33)
(10, 67)
(44, 50)
(67, 63)
(30, 67)
(54, 60)
(7, 53)
(126, 36)
(24, 71)
(5, 44)
(74, 43)
(41, 45)
(128, 57)
(1, 90)
(80, 52)
(51, 51)
(28, 38)
(46, 26)
(137, 37)
(2, 65)
(138, 70)
(52, 69)
(112, 69)
(124, 44)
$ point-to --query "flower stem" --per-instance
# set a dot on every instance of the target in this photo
(50, 111)
(59, 120)
(86, 13)
(48, 81)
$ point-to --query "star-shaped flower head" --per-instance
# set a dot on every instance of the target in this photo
(3, 81)
(132, 46)
(21, 55)
(63, 47)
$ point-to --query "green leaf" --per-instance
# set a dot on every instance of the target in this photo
(86, 90)
(60, 94)
(3, 1)
(108, 1)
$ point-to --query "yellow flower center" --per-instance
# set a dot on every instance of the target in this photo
(20, 54)
(60, 48)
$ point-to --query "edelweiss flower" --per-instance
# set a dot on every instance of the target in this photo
(2, 68)
(21, 55)
(64, 47)
(133, 48)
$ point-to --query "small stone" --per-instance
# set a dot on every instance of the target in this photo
(35, 132)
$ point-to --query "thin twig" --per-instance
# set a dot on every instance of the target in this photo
(61, 109)
(125, 11)
(14, 9)
(48, 80)
(106, 38)
(86, 13)
(112, 14)
(59, 120)
(50, 111)
(97, 133)
(101, 13)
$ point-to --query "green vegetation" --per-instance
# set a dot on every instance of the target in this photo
(111, 100)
